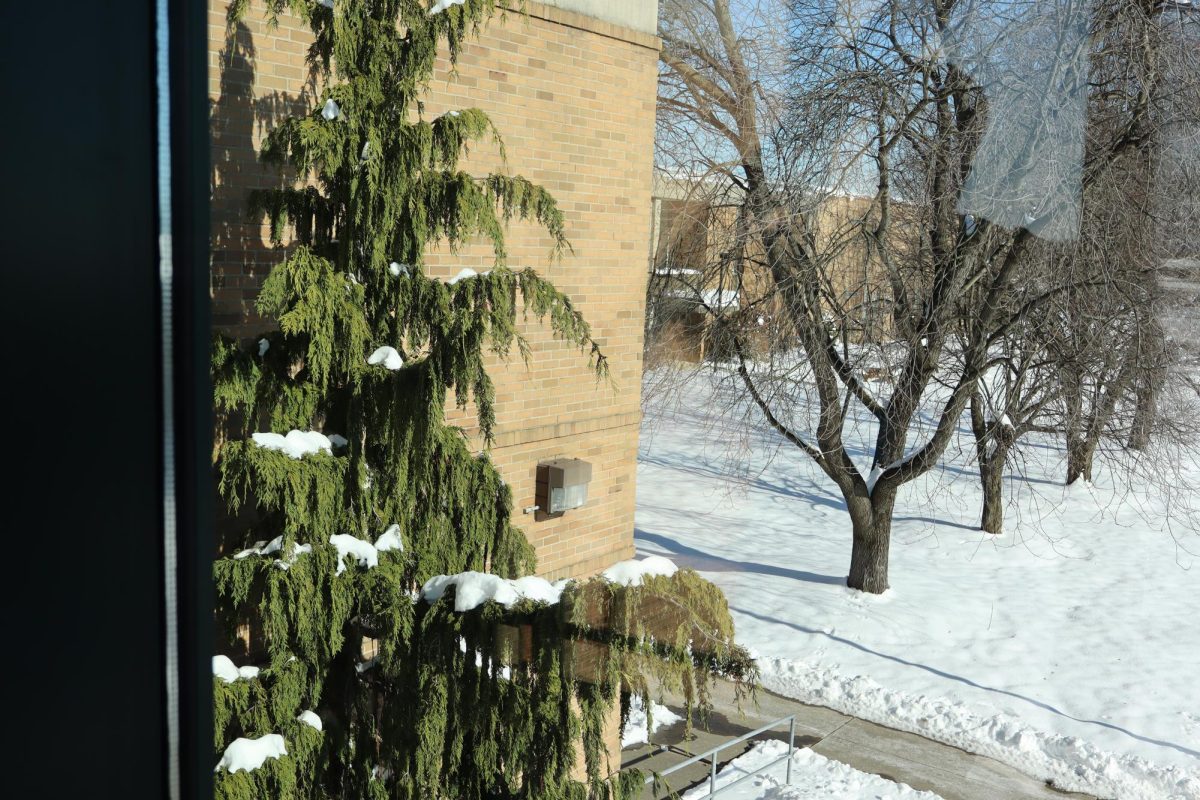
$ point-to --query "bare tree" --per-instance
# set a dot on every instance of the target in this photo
(967, 120)
(1113, 350)
(1111, 358)
(1016, 395)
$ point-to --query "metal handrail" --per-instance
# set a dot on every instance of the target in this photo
(712, 775)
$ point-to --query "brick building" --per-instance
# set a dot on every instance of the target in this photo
(571, 87)
(694, 279)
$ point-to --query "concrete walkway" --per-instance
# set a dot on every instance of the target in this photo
(921, 763)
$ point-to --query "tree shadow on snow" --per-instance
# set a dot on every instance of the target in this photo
(936, 521)
(700, 560)
(810, 492)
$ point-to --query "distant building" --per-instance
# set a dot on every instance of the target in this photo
(695, 276)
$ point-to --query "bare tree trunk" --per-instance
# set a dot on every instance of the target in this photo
(1149, 381)
(1143, 416)
(991, 474)
(991, 468)
(1079, 460)
(1080, 454)
(872, 522)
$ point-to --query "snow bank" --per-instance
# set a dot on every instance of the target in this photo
(637, 728)
(814, 777)
(631, 572)
(1067, 761)
(250, 754)
(296, 444)
(364, 552)
(473, 589)
(310, 719)
(389, 357)
(390, 540)
(225, 669)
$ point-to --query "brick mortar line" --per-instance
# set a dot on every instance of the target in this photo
(586, 432)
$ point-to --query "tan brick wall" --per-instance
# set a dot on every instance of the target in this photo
(573, 97)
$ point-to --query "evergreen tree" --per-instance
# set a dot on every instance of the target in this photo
(374, 530)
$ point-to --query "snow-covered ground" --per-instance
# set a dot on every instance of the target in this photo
(639, 727)
(813, 777)
(1069, 647)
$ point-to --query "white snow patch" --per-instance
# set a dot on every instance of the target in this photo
(637, 727)
(473, 589)
(262, 548)
(442, 5)
(814, 777)
(263, 346)
(631, 572)
(274, 546)
(1041, 647)
(326, 3)
(296, 444)
(347, 545)
(715, 299)
(225, 669)
(331, 110)
(389, 357)
(873, 478)
(297, 551)
(337, 440)
(250, 754)
(398, 269)
(538, 589)
(390, 540)
(466, 273)
(310, 719)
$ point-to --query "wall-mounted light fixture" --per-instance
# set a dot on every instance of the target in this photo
(561, 486)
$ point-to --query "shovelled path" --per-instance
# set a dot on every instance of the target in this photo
(896, 755)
